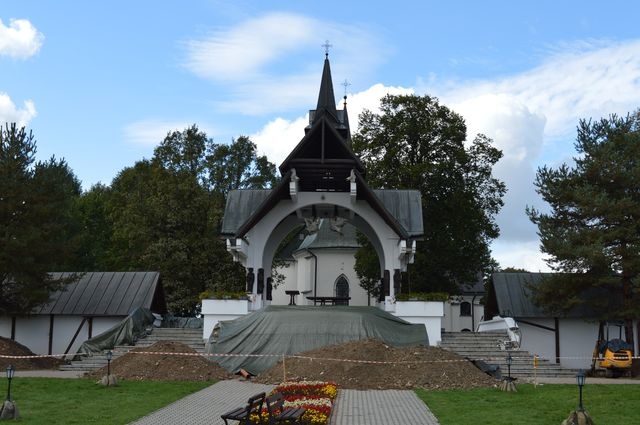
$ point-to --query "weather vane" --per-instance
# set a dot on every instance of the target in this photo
(327, 46)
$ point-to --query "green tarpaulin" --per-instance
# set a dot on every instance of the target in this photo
(124, 333)
(277, 330)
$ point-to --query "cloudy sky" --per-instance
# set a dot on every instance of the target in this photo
(101, 83)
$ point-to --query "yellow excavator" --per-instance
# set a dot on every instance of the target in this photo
(612, 357)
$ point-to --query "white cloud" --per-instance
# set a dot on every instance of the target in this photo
(532, 118)
(151, 132)
(525, 255)
(10, 113)
(278, 138)
(20, 39)
(272, 63)
(238, 53)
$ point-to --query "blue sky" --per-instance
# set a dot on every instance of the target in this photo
(100, 83)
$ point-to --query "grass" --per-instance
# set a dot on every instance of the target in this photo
(545, 404)
(82, 401)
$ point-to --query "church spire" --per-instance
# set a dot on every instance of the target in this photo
(326, 98)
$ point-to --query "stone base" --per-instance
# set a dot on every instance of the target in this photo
(508, 385)
(9, 410)
(578, 417)
(109, 381)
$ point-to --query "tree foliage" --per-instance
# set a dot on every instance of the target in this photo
(38, 231)
(591, 233)
(165, 213)
(417, 143)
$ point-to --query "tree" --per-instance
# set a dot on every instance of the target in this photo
(166, 213)
(416, 143)
(591, 231)
(367, 267)
(37, 232)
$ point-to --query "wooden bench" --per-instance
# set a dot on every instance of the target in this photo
(278, 414)
(243, 414)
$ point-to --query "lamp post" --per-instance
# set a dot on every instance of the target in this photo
(580, 380)
(509, 361)
(109, 357)
(10, 371)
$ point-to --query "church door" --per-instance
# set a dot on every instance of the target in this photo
(342, 290)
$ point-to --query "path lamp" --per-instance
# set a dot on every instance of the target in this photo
(10, 372)
(109, 357)
(580, 380)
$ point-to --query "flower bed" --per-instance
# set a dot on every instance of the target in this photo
(315, 396)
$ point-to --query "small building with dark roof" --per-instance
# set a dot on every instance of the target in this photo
(568, 339)
(85, 307)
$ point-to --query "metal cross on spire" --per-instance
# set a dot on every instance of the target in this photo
(345, 84)
(327, 46)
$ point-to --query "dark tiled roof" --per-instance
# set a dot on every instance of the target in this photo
(327, 238)
(104, 294)
(514, 298)
(241, 204)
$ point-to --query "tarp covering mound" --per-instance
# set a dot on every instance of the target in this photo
(277, 330)
(125, 332)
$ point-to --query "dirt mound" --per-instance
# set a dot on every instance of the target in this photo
(165, 366)
(422, 367)
(12, 348)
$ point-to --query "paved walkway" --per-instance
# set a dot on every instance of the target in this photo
(352, 407)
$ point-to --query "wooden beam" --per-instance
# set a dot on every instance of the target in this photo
(51, 320)
(84, 319)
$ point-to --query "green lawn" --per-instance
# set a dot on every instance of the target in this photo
(545, 404)
(82, 401)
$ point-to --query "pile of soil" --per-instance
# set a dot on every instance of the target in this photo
(434, 368)
(164, 367)
(13, 348)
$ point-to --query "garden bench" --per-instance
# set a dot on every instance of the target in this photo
(278, 414)
(243, 414)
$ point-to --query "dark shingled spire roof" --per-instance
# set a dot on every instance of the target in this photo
(326, 98)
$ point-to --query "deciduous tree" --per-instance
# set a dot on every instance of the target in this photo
(417, 143)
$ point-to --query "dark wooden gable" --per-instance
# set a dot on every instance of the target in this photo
(323, 159)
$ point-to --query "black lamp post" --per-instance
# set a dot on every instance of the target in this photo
(109, 357)
(509, 361)
(10, 371)
(580, 379)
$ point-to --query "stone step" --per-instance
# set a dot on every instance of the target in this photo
(188, 336)
(482, 346)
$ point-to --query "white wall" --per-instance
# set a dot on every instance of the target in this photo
(577, 341)
(453, 322)
(332, 263)
(215, 311)
(33, 332)
(428, 313)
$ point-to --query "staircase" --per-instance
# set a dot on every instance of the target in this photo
(189, 337)
(485, 346)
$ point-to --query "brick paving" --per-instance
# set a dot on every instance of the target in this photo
(205, 406)
(380, 407)
(352, 407)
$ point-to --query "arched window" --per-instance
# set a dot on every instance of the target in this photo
(465, 308)
(342, 290)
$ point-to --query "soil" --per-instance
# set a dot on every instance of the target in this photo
(13, 348)
(164, 367)
(424, 367)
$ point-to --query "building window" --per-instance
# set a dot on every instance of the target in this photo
(465, 308)
(342, 290)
